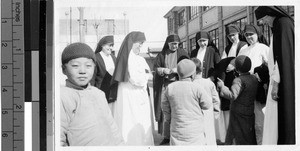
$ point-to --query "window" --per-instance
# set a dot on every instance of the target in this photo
(214, 34)
(182, 45)
(181, 18)
(240, 23)
(266, 31)
(193, 43)
(194, 12)
(170, 24)
(205, 8)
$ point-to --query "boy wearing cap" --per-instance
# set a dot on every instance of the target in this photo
(242, 95)
(86, 119)
(165, 67)
(182, 105)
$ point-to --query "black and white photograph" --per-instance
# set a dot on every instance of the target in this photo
(149, 75)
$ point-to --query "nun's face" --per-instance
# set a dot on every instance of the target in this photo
(173, 46)
(202, 42)
(251, 38)
(136, 47)
(107, 48)
(233, 37)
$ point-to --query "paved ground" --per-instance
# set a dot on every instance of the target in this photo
(157, 138)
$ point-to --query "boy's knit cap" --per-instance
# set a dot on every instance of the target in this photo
(242, 63)
(77, 50)
(186, 68)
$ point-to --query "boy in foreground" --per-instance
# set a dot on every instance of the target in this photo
(86, 119)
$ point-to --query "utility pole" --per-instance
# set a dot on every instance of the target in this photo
(70, 24)
(81, 24)
(67, 25)
(124, 14)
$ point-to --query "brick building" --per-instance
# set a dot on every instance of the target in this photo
(186, 21)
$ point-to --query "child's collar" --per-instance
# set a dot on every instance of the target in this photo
(74, 86)
(198, 76)
(186, 79)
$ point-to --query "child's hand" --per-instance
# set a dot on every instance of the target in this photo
(220, 83)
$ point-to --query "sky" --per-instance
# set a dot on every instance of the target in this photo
(149, 20)
(145, 17)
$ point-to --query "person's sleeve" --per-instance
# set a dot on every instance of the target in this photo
(66, 109)
(242, 51)
(217, 56)
(166, 108)
(157, 65)
(137, 75)
(244, 47)
(205, 101)
(275, 74)
(215, 99)
(235, 90)
(265, 54)
(148, 70)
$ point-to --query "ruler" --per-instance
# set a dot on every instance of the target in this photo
(12, 75)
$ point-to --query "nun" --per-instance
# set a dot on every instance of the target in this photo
(280, 105)
(105, 65)
(132, 111)
(206, 52)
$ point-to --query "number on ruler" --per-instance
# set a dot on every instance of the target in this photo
(4, 112)
(4, 21)
(4, 44)
(4, 90)
(4, 67)
(18, 106)
(4, 135)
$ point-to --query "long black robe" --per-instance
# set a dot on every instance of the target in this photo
(284, 54)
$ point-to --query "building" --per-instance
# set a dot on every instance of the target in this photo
(186, 21)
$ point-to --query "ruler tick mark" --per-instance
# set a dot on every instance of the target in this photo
(18, 139)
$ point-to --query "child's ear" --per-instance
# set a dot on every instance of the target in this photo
(63, 67)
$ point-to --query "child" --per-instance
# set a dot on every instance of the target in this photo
(86, 119)
(182, 105)
(242, 95)
(213, 112)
